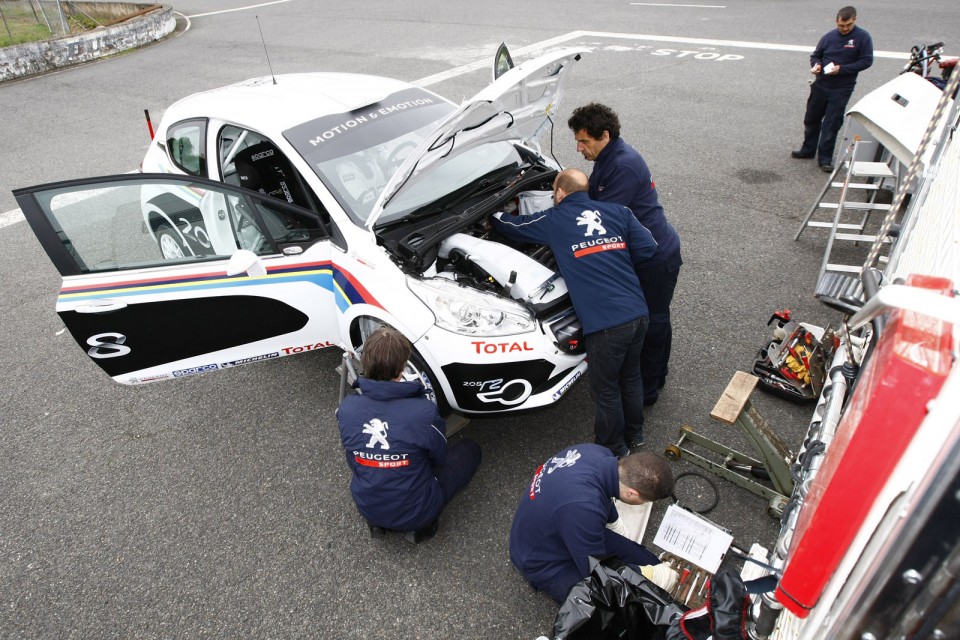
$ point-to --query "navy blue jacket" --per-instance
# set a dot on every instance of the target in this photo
(853, 52)
(563, 514)
(598, 247)
(393, 437)
(621, 175)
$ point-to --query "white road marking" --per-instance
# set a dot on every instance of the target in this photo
(12, 217)
(253, 6)
(698, 6)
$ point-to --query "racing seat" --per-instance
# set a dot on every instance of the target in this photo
(262, 167)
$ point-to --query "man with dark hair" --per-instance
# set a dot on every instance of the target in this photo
(404, 473)
(598, 247)
(564, 513)
(840, 55)
(621, 175)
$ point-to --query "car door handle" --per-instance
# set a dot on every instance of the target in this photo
(101, 306)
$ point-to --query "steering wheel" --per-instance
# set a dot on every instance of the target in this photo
(395, 159)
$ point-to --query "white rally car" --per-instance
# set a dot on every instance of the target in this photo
(277, 216)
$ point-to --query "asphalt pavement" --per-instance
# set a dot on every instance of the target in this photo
(218, 505)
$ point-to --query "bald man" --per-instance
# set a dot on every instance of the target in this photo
(598, 246)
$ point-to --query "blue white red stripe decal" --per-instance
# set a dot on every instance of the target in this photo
(347, 290)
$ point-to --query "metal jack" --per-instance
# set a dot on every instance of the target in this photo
(773, 458)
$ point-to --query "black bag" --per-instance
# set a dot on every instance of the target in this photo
(722, 617)
(615, 601)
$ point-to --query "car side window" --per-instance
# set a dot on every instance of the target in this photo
(187, 147)
(150, 220)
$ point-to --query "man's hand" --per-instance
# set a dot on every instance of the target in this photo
(816, 68)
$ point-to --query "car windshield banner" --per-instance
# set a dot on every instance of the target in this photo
(341, 134)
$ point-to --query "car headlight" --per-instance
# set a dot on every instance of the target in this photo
(470, 312)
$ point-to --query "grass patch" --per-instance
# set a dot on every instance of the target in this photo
(24, 25)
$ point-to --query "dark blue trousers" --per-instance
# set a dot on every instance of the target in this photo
(463, 460)
(823, 119)
(659, 283)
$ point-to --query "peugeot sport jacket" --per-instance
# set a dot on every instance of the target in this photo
(598, 246)
(563, 514)
(393, 437)
(621, 175)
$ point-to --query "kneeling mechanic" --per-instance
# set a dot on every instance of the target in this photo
(404, 473)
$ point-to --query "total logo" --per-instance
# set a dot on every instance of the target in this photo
(497, 391)
(482, 346)
(307, 347)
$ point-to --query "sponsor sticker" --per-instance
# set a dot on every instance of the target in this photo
(192, 371)
(566, 387)
(237, 363)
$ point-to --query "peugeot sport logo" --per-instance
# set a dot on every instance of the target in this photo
(567, 461)
(377, 430)
(107, 345)
(591, 219)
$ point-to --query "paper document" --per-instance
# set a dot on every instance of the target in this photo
(692, 538)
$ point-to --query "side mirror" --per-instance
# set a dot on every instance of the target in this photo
(502, 62)
(244, 261)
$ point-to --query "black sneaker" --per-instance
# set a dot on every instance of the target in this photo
(800, 155)
(635, 445)
(826, 168)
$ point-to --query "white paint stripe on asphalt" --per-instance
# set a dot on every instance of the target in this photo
(896, 55)
(253, 6)
(698, 6)
(11, 217)
(573, 35)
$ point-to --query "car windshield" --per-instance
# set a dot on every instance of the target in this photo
(355, 153)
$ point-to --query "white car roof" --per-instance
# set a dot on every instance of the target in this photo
(294, 99)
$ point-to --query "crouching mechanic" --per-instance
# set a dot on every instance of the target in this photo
(563, 516)
(598, 246)
(404, 473)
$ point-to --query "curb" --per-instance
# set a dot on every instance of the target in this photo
(149, 22)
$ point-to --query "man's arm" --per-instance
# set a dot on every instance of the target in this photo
(530, 228)
(437, 440)
(816, 58)
(864, 58)
(640, 241)
(582, 528)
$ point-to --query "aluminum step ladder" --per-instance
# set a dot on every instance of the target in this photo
(837, 282)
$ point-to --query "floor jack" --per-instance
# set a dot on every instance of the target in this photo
(773, 457)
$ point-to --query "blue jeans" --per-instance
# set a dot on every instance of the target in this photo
(823, 119)
(616, 384)
(658, 282)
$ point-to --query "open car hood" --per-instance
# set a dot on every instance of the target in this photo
(513, 107)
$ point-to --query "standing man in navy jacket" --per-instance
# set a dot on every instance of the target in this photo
(839, 57)
(621, 175)
(563, 515)
(598, 247)
(404, 473)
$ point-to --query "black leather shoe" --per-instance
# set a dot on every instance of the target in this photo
(826, 168)
(800, 155)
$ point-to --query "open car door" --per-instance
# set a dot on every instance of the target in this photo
(166, 276)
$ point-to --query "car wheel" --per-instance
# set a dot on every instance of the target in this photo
(171, 247)
(416, 368)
